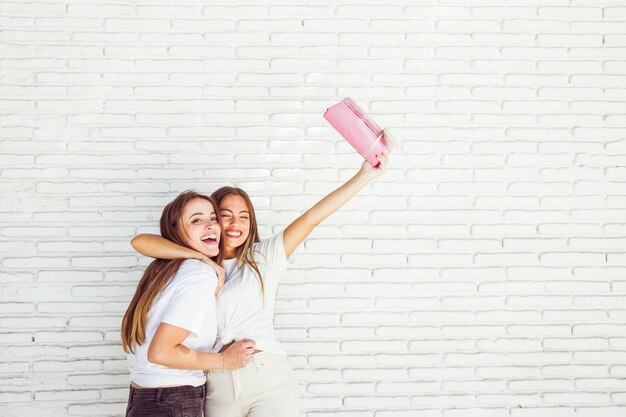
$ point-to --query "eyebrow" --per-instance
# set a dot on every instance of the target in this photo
(195, 214)
(242, 211)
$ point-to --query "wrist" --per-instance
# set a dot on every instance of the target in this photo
(364, 176)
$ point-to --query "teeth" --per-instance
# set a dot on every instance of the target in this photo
(234, 234)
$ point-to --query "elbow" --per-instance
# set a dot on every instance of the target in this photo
(156, 355)
(136, 242)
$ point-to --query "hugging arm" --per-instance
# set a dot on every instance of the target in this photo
(166, 349)
(300, 228)
(155, 246)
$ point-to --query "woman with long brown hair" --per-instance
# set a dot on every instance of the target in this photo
(245, 308)
(170, 325)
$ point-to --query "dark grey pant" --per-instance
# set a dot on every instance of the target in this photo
(185, 401)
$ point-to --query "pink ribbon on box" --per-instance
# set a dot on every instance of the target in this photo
(373, 145)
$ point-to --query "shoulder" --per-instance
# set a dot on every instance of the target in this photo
(194, 265)
(269, 244)
(194, 271)
(272, 252)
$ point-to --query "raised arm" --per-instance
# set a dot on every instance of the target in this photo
(166, 349)
(300, 228)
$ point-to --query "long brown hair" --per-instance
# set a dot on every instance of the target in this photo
(245, 252)
(158, 274)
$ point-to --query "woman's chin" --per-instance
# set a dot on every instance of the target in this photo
(233, 243)
(212, 251)
(208, 250)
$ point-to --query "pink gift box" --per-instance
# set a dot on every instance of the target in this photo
(358, 129)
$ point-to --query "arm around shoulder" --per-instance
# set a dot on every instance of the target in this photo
(156, 246)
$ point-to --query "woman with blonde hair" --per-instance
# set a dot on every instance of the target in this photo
(245, 308)
(170, 325)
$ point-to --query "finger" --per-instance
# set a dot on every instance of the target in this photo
(389, 139)
(249, 344)
(245, 345)
(218, 289)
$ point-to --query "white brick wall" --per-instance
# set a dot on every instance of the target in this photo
(483, 275)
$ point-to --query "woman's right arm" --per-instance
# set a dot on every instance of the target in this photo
(155, 246)
(166, 349)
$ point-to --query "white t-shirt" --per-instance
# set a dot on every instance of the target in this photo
(242, 311)
(187, 302)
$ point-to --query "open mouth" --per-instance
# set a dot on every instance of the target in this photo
(209, 240)
(233, 234)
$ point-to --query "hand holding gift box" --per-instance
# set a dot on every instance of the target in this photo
(359, 130)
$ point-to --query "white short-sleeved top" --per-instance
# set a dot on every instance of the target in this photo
(242, 310)
(188, 302)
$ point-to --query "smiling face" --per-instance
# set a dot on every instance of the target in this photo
(235, 221)
(200, 226)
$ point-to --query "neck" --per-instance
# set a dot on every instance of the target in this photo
(230, 253)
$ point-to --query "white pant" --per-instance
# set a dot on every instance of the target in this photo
(266, 387)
